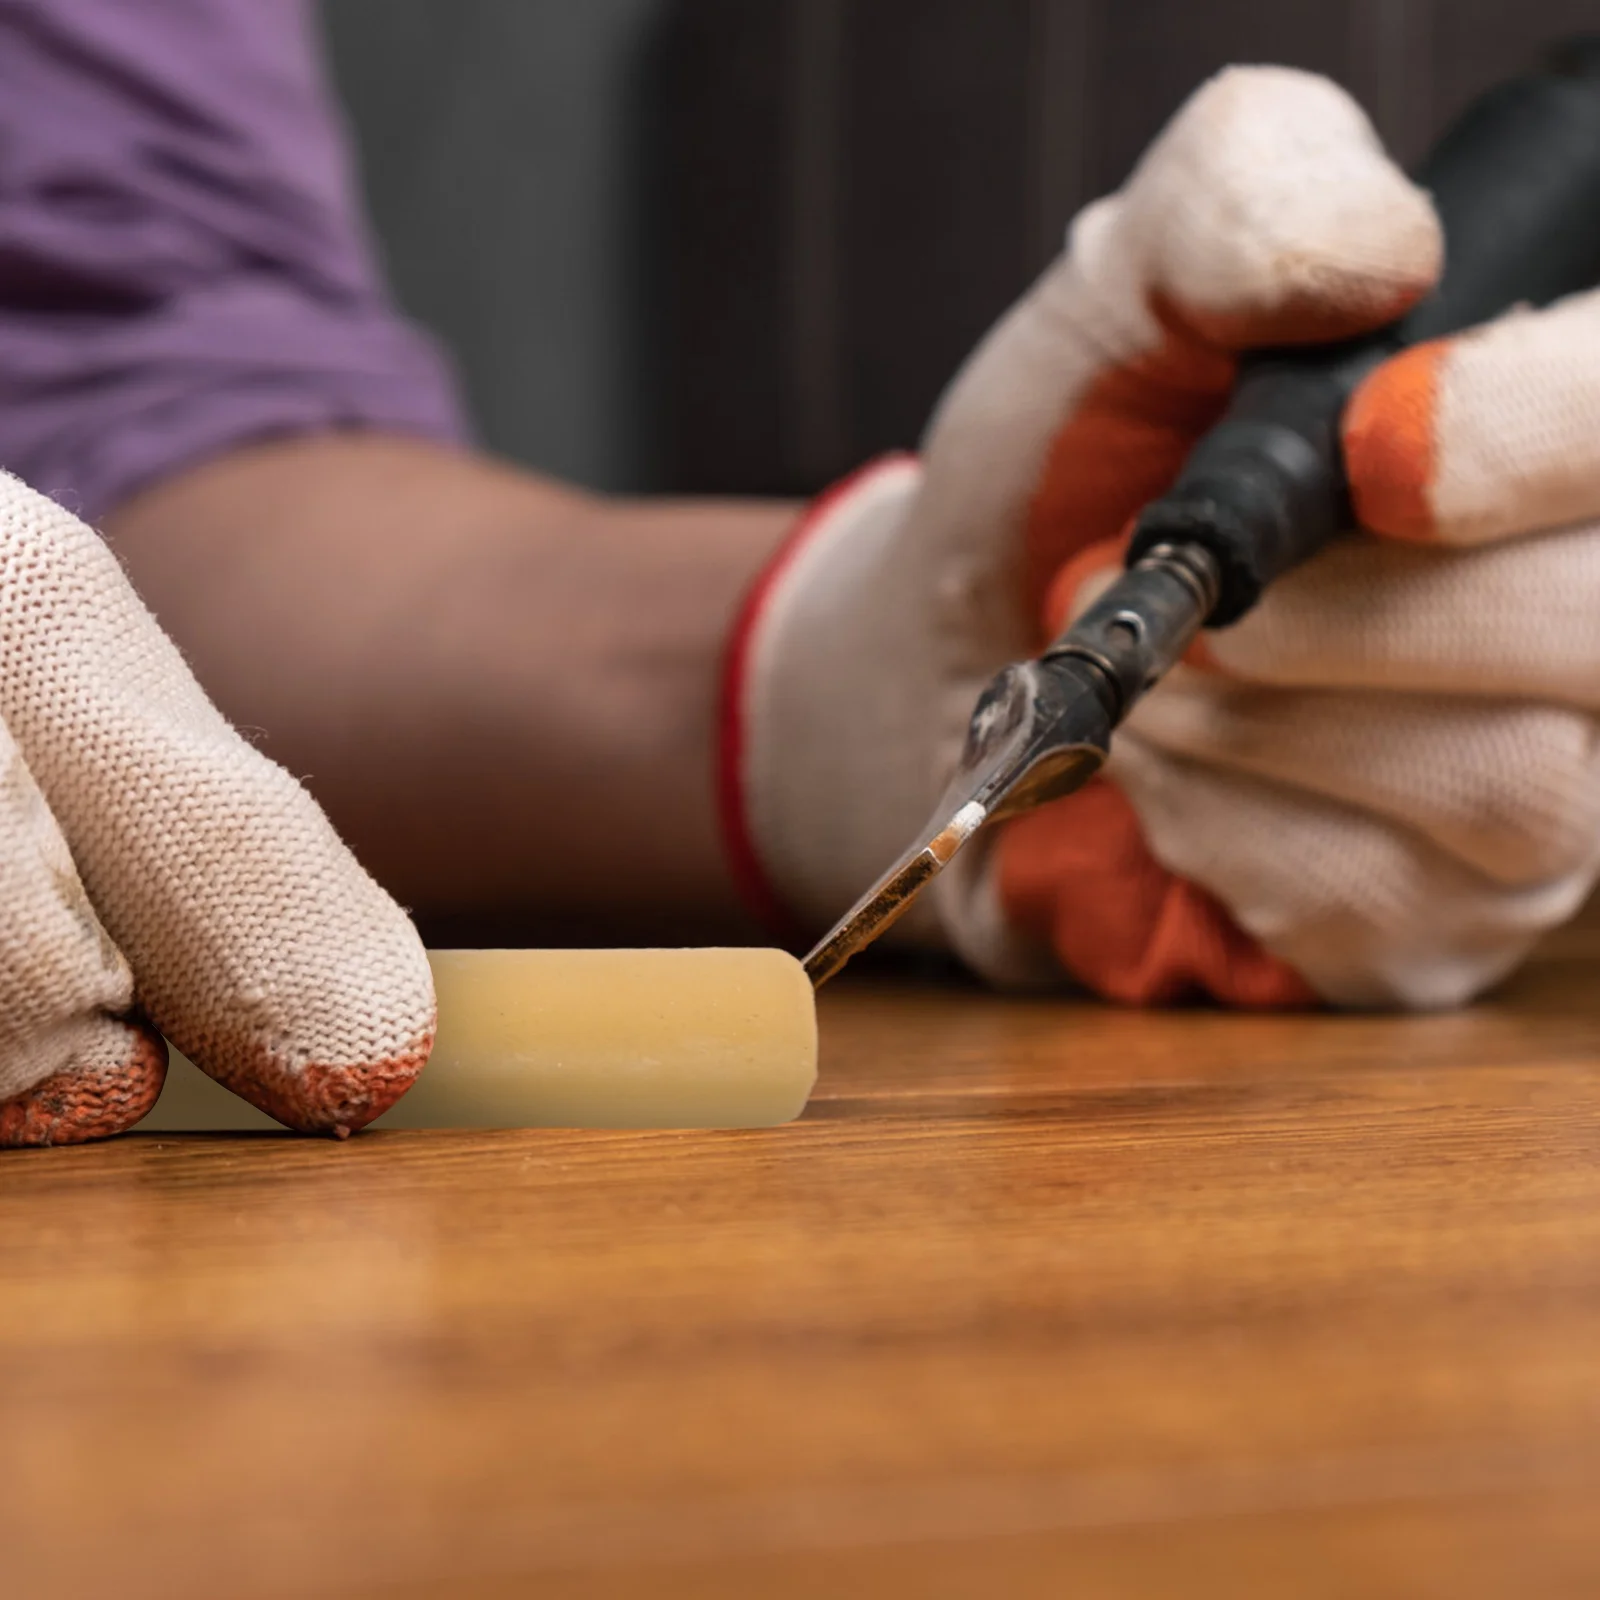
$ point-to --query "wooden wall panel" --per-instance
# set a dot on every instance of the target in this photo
(1149, 55)
(730, 319)
(936, 139)
(1470, 42)
(859, 187)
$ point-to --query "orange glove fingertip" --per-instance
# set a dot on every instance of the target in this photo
(1390, 443)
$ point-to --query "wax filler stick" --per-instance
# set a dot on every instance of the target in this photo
(585, 1039)
(1516, 183)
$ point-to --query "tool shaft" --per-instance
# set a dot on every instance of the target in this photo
(1141, 626)
(884, 903)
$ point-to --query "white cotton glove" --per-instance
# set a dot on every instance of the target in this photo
(1416, 722)
(1377, 789)
(156, 872)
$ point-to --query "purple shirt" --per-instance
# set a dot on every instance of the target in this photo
(182, 264)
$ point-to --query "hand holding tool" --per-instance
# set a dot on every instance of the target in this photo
(1516, 183)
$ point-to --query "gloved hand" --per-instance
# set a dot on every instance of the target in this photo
(1382, 785)
(156, 872)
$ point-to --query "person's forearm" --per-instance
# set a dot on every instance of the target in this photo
(502, 689)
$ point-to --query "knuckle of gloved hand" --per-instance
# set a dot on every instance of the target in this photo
(1412, 929)
(1444, 972)
(1536, 805)
(1270, 189)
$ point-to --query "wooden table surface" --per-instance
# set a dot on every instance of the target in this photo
(1039, 1300)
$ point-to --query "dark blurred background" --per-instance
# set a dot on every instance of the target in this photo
(740, 245)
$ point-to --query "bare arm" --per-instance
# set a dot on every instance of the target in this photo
(501, 689)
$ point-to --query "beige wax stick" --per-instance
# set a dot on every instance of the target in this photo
(585, 1039)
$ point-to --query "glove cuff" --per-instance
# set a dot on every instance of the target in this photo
(807, 792)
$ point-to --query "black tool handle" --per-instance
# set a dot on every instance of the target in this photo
(1516, 183)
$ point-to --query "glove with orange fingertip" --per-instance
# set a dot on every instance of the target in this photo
(1383, 784)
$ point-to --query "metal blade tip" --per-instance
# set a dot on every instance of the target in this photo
(891, 895)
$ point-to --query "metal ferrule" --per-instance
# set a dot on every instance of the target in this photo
(1144, 622)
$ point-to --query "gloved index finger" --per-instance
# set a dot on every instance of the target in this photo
(1266, 213)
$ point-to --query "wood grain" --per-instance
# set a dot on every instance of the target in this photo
(1039, 1299)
